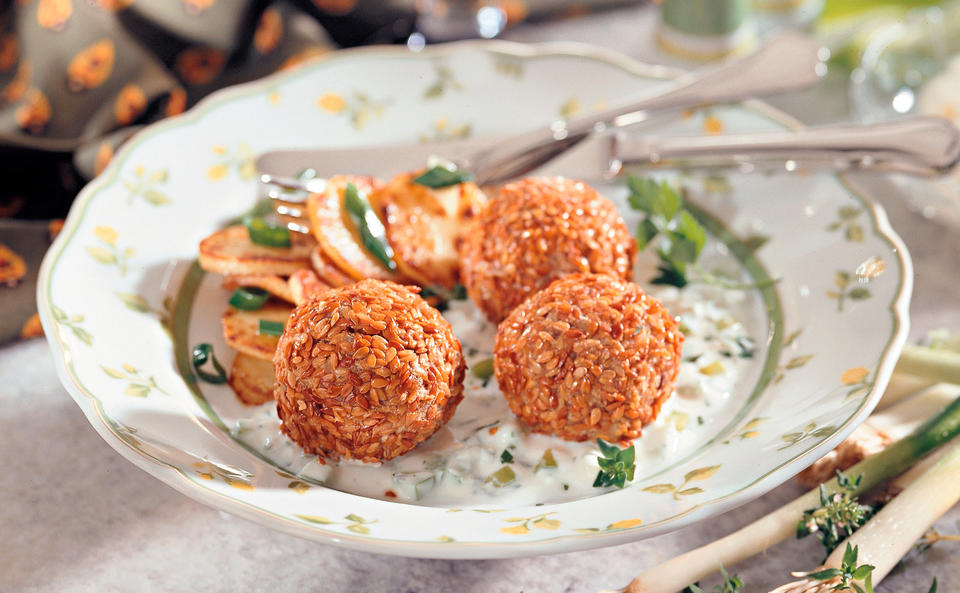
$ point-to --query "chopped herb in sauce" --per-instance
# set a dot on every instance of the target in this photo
(501, 477)
(546, 461)
(483, 370)
(506, 457)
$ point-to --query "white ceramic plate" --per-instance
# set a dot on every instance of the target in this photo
(121, 301)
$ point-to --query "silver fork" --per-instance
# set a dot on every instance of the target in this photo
(786, 63)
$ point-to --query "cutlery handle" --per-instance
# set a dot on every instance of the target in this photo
(785, 63)
(920, 145)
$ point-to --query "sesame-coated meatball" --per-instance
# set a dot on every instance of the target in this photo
(366, 371)
(591, 356)
(535, 231)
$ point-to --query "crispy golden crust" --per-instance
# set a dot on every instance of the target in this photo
(591, 356)
(252, 379)
(241, 329)
(367, 372)
(231, 252)
(535, 231)
(424, 226)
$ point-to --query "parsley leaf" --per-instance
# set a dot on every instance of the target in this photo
(616, 465)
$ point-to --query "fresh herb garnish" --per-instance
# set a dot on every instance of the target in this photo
(265, 233)
(838, 516)
(681, 237)
(203, 353)
(372, 232)
(616, 465)
(270, 328)
(440, 176)
(848, 573)
(483, 370)
(501, 477)
(249, 299)
(506, 457)
(730, 584)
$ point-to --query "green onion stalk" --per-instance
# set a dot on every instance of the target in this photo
(676, 573)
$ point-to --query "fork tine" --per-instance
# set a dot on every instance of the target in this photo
(288, 197)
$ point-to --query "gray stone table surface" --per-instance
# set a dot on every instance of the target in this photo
(77, 517)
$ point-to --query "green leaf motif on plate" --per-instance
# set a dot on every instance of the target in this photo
(72, 323)
(849, 286)
(523, 525)
(138, 385)
(847, 223)
(445, 80)
(144, 185)
(506, 65)
(354, 523)
(240, 160)
(443, 130)
(810, 430)
(680, 490)
(109, 253)
(359, 109)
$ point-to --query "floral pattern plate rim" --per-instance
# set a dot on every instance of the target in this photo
(107, 285)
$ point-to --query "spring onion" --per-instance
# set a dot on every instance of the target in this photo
(269, 328)
(372, 233)
(756, 537)
(249, 299)
(440, 176)
(267, 234)
(891, 533)
(203, 353)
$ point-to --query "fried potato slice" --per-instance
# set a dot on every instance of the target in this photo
(336, 234)
(275, 285)
(231, 252)
(305, 283)
(326, 270)
(424, 226)
(241, 329)
(252, 379)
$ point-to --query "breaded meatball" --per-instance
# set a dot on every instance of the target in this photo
(366, 371)
(535, 231)
(591, 356)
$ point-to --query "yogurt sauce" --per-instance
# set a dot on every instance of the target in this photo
(464, 463)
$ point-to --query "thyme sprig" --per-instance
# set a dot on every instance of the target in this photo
(616, 465)
(838, 516)
(848, 574)
(730, 584)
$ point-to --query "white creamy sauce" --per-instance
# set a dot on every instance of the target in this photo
(463, 463)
